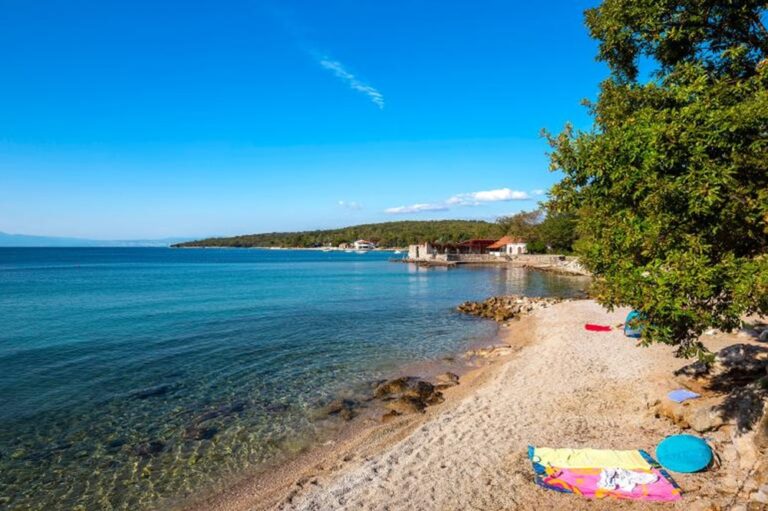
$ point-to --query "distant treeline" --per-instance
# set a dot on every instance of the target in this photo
(386, 235)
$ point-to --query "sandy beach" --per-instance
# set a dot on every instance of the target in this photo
(561, 386)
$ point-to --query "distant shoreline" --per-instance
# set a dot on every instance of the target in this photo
(317, 249)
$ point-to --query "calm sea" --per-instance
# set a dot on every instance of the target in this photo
(131, 378)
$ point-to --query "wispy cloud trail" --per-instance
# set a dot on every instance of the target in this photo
(338, 69)
(290, 22)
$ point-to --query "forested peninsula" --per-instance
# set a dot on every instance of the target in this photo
(385, 235)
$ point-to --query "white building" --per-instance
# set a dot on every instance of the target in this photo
(509, 246)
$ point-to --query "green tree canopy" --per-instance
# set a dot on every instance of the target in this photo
(522, 225)
(670, 186)
(386, 234)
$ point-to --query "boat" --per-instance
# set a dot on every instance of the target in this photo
(398, 251)
(363, 246)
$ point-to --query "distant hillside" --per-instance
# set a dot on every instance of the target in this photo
(24, 240)
(387, 234)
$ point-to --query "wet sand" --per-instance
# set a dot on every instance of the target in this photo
(561, 386)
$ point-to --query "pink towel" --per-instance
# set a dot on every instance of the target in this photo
(597, 328)
(584, 481)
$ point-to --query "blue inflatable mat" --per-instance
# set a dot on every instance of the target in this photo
(684, 453)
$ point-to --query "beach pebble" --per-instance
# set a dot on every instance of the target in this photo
(729, 484)
(703, 505)
(760, 497)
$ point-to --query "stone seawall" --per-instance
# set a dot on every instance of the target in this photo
(566, 265)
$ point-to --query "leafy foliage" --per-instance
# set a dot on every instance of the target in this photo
(521, 225)
(387, 234)
(671, 184)
(557, 233)
(544, 231)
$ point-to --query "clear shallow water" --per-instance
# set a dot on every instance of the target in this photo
(131, 378)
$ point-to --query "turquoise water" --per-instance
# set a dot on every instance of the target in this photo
(132, 378)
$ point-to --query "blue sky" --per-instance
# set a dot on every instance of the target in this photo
(141, 119)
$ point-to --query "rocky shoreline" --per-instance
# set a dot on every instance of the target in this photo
(405, 395)
(614, 397)
(504, 308)
(732, 411)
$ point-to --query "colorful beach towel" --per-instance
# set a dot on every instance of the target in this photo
(576, 476)
(597, 328)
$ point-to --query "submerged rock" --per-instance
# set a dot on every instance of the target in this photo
(408, 394)
(222, 411)
(277, 407)
(115, 445)
(344, 408)
(406, 404)
(159, 390)
(148, 449)
(422, 390)
(200, 432)
(395, 386)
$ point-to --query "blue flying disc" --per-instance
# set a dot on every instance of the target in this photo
(684, 453)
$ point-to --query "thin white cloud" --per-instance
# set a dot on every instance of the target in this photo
(338, 69)
(539, 192)
(350, 204)
(502, 194)
(477, 198)
(416, 208)
(464, 199)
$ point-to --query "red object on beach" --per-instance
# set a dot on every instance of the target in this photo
(597, 328)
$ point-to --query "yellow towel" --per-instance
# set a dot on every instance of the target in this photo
(590, 458)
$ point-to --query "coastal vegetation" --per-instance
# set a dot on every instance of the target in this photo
(670, 185)
(544, 231)
(385, 235)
